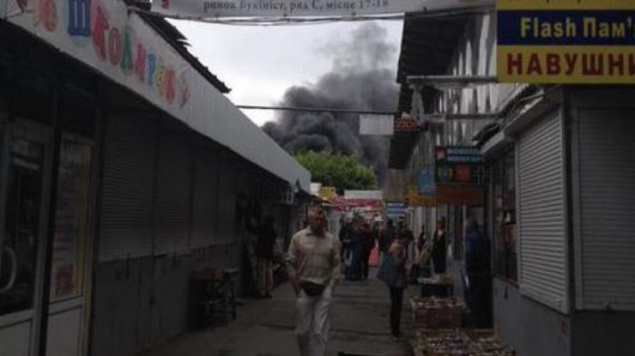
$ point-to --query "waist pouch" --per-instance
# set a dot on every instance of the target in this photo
(312, 289)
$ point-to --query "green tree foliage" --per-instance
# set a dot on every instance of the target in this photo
(337, 170)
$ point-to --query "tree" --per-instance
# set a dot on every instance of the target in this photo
(337, 170)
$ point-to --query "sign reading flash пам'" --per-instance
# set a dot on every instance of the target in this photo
(566, 41)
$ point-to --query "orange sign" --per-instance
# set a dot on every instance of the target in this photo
(407, 124)
(458, 195)
(416, 199)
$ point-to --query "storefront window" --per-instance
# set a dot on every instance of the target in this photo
(504, 213)
(19, 245)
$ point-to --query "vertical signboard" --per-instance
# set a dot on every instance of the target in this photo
(566, 41)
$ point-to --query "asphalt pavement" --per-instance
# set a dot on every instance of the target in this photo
(265, 327)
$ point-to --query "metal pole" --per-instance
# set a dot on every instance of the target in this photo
(54, 156)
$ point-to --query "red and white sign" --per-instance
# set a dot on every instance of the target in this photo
(346, 205)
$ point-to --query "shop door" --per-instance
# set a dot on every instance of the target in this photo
(22, 167)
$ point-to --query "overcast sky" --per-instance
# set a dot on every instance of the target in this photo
(260, 63)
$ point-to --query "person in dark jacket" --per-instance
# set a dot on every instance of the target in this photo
(355, 250)
(393, 274)
(264, 253)
(477, 266)
(368, 243)
(439, 247)
(346, 236)
(386, 237)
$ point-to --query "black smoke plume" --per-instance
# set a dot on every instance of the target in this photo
(360, 80)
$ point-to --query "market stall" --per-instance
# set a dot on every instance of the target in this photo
(442, 328)
(457, 342)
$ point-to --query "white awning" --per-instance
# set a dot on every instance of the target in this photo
(121, 46)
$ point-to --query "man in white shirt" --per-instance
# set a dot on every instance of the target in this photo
(314, 267)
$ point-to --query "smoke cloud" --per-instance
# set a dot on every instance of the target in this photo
(360, 80)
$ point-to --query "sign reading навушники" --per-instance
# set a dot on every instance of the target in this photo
(566, 41)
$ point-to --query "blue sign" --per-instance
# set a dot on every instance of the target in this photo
(395, 209)
(425, 180)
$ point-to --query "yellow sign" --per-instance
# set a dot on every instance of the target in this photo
(327, 193)
(416, 199)
(566, 41)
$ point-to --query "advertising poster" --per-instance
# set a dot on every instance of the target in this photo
(71, 220)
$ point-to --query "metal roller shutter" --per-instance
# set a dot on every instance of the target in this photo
(173, 195)
(127, 218)
(205, 196)
(542, 214)
(607, 193)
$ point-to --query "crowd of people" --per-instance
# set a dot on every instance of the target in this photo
(357, 239)
(316, 261)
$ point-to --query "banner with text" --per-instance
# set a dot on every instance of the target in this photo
(205, 9)
(566, 41)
